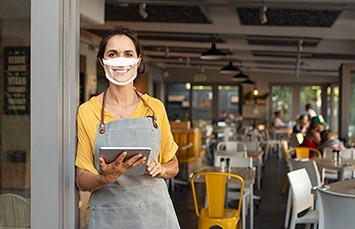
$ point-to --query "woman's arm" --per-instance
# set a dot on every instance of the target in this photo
(166, 170)
(88, 181)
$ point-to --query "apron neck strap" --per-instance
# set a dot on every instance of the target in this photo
(153, 117)
(102, 119)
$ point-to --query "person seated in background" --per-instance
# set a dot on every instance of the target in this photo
(277, 121)
(301, 125)
(312, 138)
(328, 140)
(319, 119)
(223, 117)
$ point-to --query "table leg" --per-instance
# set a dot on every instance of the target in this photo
(259, 168)
(251, 207)
(340, 175)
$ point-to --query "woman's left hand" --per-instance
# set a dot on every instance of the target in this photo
(154, 168)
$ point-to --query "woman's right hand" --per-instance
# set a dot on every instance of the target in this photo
(112, 171)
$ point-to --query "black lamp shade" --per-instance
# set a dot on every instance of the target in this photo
(213, 53)
(240, 77)
(247, 82)
(230, 68)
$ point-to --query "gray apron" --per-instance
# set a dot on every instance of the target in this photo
(132, 201)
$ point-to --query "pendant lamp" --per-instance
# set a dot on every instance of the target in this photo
(230, 68)
(247, 82)
(240, 77)
(213, 53)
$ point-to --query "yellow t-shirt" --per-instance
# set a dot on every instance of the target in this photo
(88, 118)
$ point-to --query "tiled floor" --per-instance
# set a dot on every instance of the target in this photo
(269, 213)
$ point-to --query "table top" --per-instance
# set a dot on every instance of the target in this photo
(253, 154)
(343, 187)
(246, 173)
(328, 163)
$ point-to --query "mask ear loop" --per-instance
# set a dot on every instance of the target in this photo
(154, 120)
(102, 123)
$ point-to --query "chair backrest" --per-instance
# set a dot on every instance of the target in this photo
(252, 145)
(296, 139)
(336, 210)
(301, 186)
(15, 211)
(284, 147)
(304, 152)
(215, 192)
(310, 166)
(240, 162)
(190, 143)
(328, 152)
(231, 145)
(346, 153)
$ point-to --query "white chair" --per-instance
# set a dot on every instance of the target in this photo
(328, 173)
(346, 153)
(15, 211)
(302, 199)
(240, 162)
(231, 146)
(336, 210)
(271, 144)
(313, 173)
(254, 146)
(333, 174)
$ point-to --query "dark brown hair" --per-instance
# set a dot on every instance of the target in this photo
(123, 31)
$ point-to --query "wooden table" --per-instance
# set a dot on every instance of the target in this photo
(327, 163)
(257, 161)
(248, 174)
(258, 157)
(343, 187)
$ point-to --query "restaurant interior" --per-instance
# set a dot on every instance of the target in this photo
(223, 68)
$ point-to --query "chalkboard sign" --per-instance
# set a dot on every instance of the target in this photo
(17, 80)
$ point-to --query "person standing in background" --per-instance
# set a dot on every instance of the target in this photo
(310, 111)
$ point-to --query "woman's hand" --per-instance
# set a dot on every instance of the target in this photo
(111, 172)
(154, 168)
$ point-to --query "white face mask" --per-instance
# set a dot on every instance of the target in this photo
(120, 62)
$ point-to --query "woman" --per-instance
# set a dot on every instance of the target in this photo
(277, 121)
(121, 116)
(312, 138)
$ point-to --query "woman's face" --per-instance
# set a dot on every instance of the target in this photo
(121, 46)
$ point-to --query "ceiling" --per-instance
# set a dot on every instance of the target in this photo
(299, 37)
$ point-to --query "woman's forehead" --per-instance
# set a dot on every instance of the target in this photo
(120, 42)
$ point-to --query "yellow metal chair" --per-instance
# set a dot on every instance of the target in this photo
(304, 152)
(216, 214)
(284, 146)
(189, 154)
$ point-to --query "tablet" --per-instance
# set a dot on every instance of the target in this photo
(111, 153)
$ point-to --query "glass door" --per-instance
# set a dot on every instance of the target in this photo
(346, 101)
(202, 97)
(15, 97)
